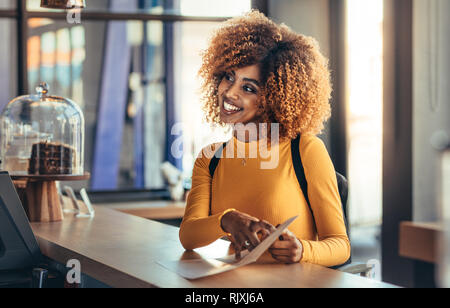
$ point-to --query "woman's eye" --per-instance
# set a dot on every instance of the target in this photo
(228, 77)
(249, 89)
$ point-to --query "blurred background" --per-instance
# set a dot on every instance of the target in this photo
(132, 65)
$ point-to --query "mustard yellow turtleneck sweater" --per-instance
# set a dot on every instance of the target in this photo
(265, 186)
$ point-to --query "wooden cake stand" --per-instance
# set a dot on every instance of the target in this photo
(40, 196)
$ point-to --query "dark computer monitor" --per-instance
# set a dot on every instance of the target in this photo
(18, 246)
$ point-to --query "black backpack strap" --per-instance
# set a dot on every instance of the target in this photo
(343, 192)
(215, 160)
(300, 173)
(213, 164)
(298, 167)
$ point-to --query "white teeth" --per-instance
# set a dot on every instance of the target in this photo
(229, 107)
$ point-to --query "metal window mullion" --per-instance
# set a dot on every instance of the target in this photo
(338, 122)
(262, 6)
(22, 35)
(8, 13)
(125, 16)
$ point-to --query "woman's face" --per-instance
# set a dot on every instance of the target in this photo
(238, 95)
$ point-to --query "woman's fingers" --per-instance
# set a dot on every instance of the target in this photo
(282, 248)
(285, 240)
(286, 236)
(241, 239)
(287, 249)
(237, 253)
(256, 227)
(264, 234)
(281, 245)
(245, 230)
(264, 225)
(241, 243)
(286, 259)
(280, 252)
(285, 252)
(261, 227)
(253, 240)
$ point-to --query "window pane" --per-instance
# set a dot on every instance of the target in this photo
(8, 61)
(35, 5)
(214, 8)
(191, 39)
(7, 4)
(365, 110)
(115, 72)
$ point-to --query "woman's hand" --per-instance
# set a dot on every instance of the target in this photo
(244, 230)
(287, 248)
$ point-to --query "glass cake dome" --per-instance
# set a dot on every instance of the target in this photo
(42, 135)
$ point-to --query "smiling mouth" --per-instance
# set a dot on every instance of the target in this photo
(230, 108)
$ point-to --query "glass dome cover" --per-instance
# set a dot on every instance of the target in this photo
(42, 135)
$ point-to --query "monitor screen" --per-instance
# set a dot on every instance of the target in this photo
(18, 246)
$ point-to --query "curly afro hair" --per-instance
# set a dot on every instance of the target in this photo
(296, 85)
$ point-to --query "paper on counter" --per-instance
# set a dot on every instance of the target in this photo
(198, 268)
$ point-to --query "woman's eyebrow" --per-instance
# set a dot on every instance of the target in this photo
(256, 82)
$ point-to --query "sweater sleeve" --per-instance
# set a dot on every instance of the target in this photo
(333, 245)
(198, 228)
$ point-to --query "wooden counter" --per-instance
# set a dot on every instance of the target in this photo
(161, 209)
(419, 240)
(121, 250)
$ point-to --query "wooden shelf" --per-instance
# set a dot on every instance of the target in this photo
(419, 240)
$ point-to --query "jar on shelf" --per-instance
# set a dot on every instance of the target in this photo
(42, 134)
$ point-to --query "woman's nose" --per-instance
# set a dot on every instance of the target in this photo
(232, 92)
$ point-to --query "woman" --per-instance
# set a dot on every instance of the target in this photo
(257, 72)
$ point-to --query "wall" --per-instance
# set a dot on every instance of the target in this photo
(431, 108)
(308, 17)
